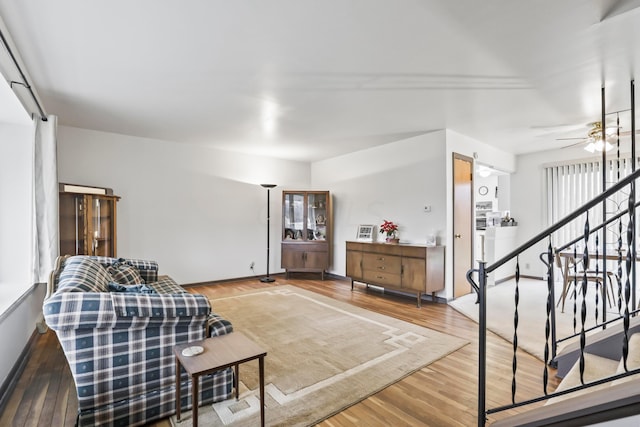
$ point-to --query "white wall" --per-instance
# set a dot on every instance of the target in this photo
(199, 212)
(491, 182)
(392, 182)
(527, 205)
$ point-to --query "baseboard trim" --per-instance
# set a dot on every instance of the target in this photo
(282, 275)
(506, 279)
(9, 385)
(235, 279)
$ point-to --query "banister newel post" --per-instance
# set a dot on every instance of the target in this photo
(482, 342)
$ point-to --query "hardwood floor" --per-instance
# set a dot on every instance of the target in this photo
(441, 394)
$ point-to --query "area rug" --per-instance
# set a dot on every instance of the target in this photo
(532, 312)
(323, 356)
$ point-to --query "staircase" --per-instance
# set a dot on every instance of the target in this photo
(600, 369)
(606, 399)
(606, 344)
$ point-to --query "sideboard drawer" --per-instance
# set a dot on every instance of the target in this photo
(382, 263)
(382, 278)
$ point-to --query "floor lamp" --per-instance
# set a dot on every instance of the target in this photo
(268, 187)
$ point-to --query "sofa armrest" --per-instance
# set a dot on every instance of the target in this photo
(218, 325)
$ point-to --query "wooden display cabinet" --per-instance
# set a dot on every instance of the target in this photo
(88, 220)
(306, 231)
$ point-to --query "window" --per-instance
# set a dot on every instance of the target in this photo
(569, 186)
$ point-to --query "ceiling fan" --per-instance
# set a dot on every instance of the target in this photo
(594, 141)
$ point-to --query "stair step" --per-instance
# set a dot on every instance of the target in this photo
(595, 368)
(605, 343)
(633, 359)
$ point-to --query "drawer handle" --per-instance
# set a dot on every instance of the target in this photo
(379, 277)
(381, 259)
(381, 268)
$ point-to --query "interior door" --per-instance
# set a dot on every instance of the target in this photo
(462, 223)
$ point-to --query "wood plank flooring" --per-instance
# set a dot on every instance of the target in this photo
(441, 394)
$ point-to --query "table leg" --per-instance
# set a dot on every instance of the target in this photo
(177, 389)
(262, 403)
(236, 381)
(194, 400)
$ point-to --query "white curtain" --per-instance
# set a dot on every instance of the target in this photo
(569, 186)
(45, 198)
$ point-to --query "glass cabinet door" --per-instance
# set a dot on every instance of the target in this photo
(293, 216)
(72, 223)
(317, 216)
(102, 226)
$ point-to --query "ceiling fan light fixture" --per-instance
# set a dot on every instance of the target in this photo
(598, 145)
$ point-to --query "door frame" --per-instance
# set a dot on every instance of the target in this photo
(470, 160)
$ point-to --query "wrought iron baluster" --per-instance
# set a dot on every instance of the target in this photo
(575, 290)
(619, 264)
(583, 311)
(627, 286)
(514, 366)
(597, 273)
(547, 326)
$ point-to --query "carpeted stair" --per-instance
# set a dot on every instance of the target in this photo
(597, 367)
(608, 401)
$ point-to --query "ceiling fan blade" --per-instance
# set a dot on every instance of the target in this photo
(567, 139)
(628, 132)
(573, 145)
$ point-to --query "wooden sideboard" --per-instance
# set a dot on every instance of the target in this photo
(406, 268)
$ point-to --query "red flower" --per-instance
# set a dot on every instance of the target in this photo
(388, 227)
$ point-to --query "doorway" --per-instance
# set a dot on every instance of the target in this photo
(462, 223)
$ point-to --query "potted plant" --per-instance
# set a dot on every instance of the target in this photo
(391, 230)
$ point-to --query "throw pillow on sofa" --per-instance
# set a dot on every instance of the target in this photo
(125, 274)
(82, 274)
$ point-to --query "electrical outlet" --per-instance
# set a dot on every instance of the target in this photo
(253, 264)
(427, 208)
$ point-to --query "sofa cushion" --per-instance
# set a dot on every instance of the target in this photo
(125, 274)
(82, 274)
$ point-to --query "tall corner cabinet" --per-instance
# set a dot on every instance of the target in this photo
(307, 222)
(88, 220)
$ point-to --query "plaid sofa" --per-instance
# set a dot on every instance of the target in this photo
(119, 345)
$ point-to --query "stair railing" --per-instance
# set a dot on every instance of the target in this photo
(550, 348)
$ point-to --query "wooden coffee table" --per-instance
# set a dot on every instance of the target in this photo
(220, 352)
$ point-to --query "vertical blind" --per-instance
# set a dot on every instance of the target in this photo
(569, 186)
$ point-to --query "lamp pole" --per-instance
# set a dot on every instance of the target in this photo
(268, 279)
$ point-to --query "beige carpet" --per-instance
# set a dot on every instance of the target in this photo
(532, 312)
(322, 356)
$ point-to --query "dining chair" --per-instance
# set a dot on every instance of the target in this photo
(577, 274)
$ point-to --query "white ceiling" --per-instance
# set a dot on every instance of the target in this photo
(312, 79)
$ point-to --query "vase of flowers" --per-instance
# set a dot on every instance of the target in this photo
(391, 230)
